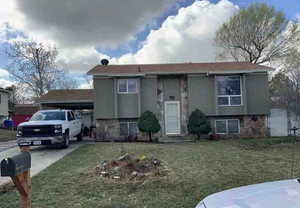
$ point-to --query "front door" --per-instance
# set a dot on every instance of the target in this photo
(172, 117)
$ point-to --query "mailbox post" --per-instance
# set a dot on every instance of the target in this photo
(18, 168)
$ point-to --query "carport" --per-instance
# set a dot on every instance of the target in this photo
(74, 99)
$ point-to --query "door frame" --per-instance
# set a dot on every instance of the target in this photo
(179, 117)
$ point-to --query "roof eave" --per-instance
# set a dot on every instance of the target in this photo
(171, 73)
(119, 74)
(68, 101)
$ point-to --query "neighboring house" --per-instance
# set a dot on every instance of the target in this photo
(233, 95)
(68, 99)
(281, 122)
(23, 112)
(4, 96)
(81, 100)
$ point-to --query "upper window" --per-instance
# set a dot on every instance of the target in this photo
(127, 86)
(229, 90)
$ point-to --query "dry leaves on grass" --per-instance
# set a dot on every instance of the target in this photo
(128, 167)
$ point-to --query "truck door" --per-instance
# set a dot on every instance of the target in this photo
(77, 124)
(72, 126)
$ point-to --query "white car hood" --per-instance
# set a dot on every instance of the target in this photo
(33, 123)
(278, 194)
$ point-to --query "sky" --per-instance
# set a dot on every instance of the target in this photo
(125, 32)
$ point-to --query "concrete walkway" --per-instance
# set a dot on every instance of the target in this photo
(41, 157)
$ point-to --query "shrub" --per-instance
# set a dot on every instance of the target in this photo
(148, 123)
(198, 123)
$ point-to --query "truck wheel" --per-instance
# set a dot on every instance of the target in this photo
(80, 136)
(66, 142)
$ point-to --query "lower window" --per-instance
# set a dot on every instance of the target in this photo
(128, 129)
(227, 126)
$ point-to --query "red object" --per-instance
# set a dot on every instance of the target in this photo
(23, 112)
(214, 137)
(20, 119)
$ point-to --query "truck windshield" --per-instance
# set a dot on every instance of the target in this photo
(48, 116)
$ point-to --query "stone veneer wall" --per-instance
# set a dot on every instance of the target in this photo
(184, 104)
(160, 105)
(254, 126)
(107, 129)
(250, 126)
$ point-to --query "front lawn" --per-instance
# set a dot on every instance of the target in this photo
(196, 170)
(6, 135)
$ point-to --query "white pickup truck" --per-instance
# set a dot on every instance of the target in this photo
(47, 127)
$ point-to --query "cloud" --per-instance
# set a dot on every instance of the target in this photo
(186, 37)
(9, 14)
(77, 28)
(77, 23)
(5, 83)
(4, 78)
(297, 17)
(85, 86)
(3, 73)
(79, 60)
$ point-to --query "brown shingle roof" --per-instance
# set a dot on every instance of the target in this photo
(188, 68)
(25, 109)
(72, 95)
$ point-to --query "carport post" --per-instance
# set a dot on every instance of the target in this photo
(23, 183)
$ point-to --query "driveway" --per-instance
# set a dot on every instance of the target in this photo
(41, 157)
(6, 145)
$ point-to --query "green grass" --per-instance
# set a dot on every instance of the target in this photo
(262, 143)
(196, 170)
(6, 135)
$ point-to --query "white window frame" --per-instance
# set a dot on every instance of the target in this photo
(127, 123)
(179, 117)
(136, 89)
(226, 121)
(229, 96)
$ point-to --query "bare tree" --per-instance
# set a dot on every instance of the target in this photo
(33, 65)
(64, 81)
(257, 34)
(292, 71)
(89, 81)
(20, 95)
(285, 85)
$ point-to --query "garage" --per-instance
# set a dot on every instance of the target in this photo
(79, 100)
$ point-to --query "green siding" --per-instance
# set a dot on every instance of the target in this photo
(201, 94)
(128, 106)
(104, 98)
(171, 87)
(149, 94)
(230, 110)
(257, 93)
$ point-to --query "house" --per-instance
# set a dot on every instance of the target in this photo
(23, 112)
(4, 108)
(233, 95)
(281, 122)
